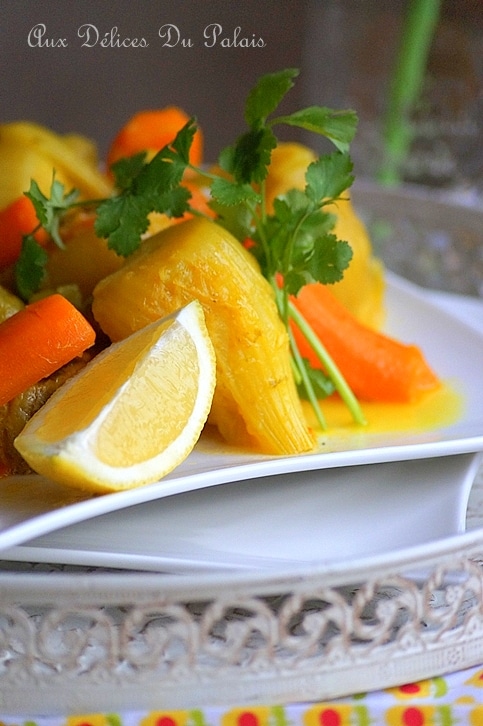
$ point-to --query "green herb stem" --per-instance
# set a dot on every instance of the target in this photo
(405, 85)
(332, 370)
(305, 380)
(263, 205)
(281, 298)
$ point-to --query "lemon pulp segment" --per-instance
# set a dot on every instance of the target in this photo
(95, 389)
(147, 400)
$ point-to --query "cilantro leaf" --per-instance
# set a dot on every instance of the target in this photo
(125, 218)
(249, 158)
(328, 177)
(163, 173)
(227, 193)
(283, 230)
(146, 187)
(183, 141)
(225, 159)
(321, 383)
(338, 126)
(329, 259)
(310, 254)
(173, 203)
(40, 202)
(30, 267)
(122, 220)
(49, 210)
(267, 94)
(32, 261)
(236, 218)
(125, 170)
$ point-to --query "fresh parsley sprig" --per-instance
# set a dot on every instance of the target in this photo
(144, 188)
(294, 243)
(49, 210)
(30, 267)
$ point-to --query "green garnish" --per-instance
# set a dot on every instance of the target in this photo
(294, 244)
(49, 210)
(30, 267)
(145, 188)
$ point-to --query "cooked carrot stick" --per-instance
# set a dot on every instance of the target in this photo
(16, 220)
(375, 366)
(150, 131)
(38, 340)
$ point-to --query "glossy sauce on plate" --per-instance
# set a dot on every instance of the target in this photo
(436, 409)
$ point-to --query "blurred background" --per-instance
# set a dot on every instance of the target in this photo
(94, 90)
(348, 52)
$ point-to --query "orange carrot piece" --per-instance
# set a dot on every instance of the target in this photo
(151, 130)
(38, 340)
(375, 366)
(17, 219)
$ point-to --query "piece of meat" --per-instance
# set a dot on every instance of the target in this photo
(15, 414)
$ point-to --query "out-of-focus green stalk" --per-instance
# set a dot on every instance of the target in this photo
(406, 84)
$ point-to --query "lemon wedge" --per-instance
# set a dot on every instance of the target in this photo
(132, 414)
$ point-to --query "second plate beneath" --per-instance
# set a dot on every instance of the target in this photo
(303, 518)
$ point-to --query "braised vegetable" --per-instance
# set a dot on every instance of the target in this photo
(149, 131)
(9, 303)
(376, 367)
(83, 259)
(256, 401)
(31, 151)
(38, 340)
(20, 409)
(18, 219)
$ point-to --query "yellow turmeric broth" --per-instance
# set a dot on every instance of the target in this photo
(439, 408)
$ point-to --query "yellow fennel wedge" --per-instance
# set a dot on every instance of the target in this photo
(256, 402)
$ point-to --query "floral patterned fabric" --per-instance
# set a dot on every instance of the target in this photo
(454, 700)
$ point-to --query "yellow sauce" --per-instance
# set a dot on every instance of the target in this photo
(436, 409)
